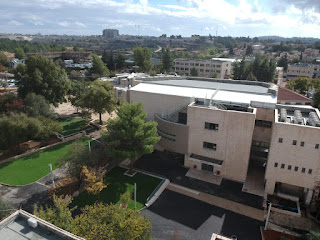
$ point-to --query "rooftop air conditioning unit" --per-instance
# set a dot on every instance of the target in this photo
(32, 222)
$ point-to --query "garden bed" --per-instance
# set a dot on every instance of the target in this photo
(118, 184)
(285, 206)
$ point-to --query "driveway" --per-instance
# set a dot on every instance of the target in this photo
(176, 216)
(170, 166)
(28, 195)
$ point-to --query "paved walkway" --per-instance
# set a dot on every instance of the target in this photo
(219, 202)
(26, 196)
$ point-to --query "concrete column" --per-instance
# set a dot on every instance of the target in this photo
(308, 197)
(270, 186)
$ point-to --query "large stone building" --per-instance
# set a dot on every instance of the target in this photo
(110, 33)
(299, 70)
(215, 67)
(236, 130)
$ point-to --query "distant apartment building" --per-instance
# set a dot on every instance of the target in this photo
(300, 70)
(316, 72)
(215, 67)
(310, 55)
(110, 33)
(13, 64)
(236, 130)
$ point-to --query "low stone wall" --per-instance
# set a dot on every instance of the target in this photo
(156, 194)
(298, 214)
(95, 125)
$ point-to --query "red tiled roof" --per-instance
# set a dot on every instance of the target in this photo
(285, 94)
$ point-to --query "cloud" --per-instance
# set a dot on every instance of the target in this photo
(185, 17)
(80, 24)
(15, 23)
(64, 24)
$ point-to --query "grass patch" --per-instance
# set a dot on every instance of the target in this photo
(31, 168)
(73, 125)
(117, 184)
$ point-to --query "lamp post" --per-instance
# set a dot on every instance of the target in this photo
(52, 177)
(135, 195)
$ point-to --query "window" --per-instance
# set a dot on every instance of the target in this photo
(296, 168)
(294, 142)
(280, 140)
(261, 123)
(275, 164)
(211, 126)
(289, 167)
(303, 170)
(316, 146)
(282, 165)
(310, 171)
(302, 144)
(211, 146)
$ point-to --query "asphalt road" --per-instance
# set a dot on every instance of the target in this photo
(178, 217)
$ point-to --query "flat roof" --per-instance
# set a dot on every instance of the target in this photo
(232, 86)
(20, 230)
(16, 227)
(223, 96)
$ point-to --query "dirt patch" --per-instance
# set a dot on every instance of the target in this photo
(29, 145)
(274, 235)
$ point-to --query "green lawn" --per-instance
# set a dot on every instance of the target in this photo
(73, 125)
(31, 168)
(117, 184)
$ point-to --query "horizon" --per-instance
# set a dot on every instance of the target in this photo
(286, 18)
(168, 36)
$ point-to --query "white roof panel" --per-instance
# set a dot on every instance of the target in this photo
(222, 95)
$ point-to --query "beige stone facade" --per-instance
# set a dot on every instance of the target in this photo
(294, 157)
(219, 68)
(234, 139)
(300, 70)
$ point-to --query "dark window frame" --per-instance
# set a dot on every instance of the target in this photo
(280, 140)
(262, 123)
(210, 146)
(211, 126)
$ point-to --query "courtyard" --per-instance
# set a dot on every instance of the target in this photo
(117, 184)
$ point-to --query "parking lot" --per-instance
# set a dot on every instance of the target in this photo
(176, 216)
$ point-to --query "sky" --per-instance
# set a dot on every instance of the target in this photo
(286, 18)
